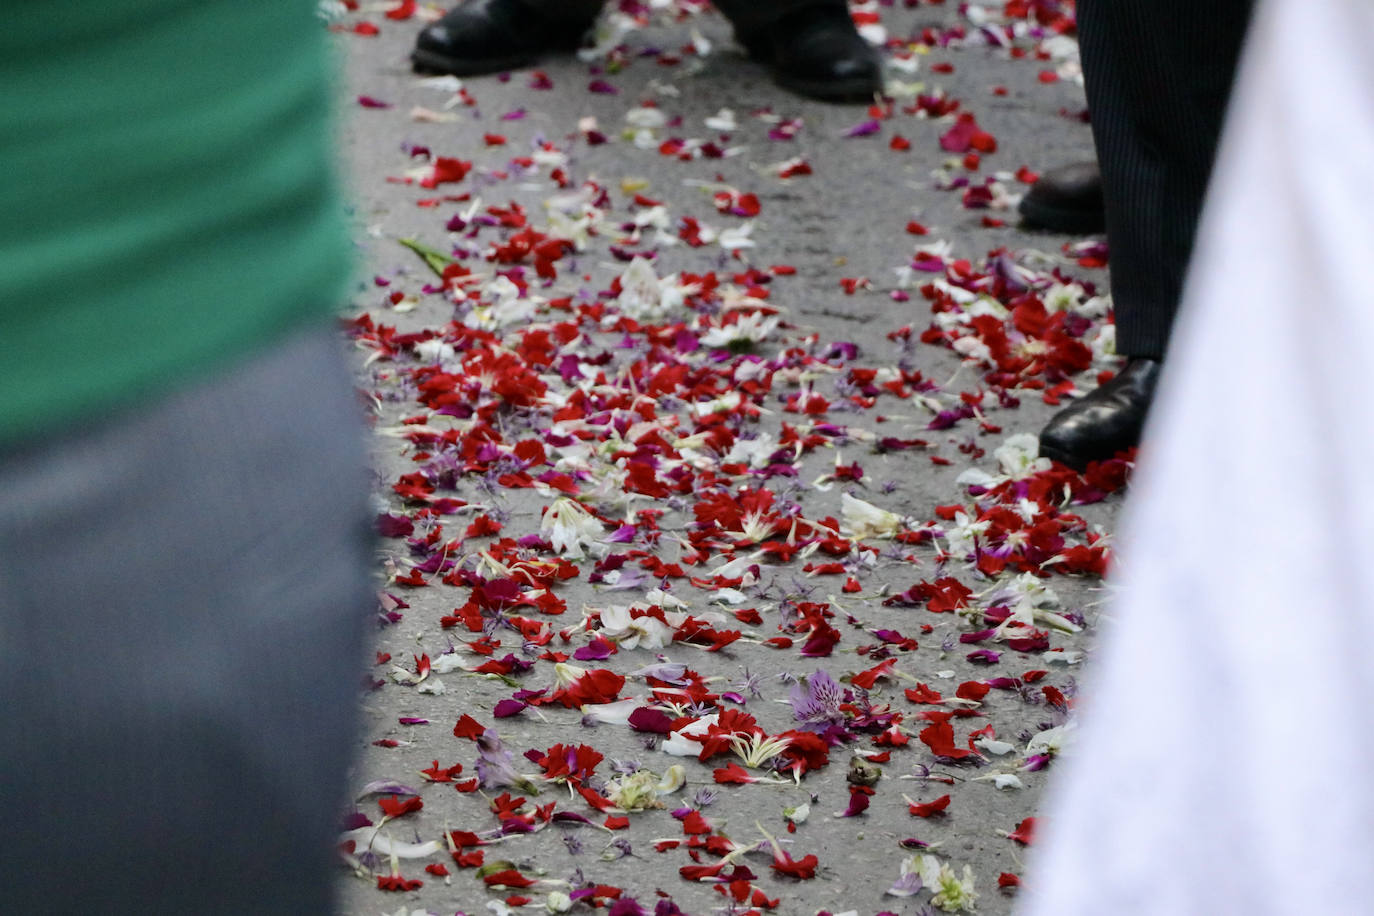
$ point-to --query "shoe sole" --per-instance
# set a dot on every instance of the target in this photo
(1058, 219)
(1069, 459)
(838, 91)
(423, 61)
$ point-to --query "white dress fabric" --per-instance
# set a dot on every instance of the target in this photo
(1225, 761)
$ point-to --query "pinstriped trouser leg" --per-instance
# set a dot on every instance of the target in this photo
(184, 592)
(1157, 75)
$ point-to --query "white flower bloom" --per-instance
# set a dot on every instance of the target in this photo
(558, 902)
(1062, 297)
(617, 713)
(960, 536)
(860, 519)
(668, 602)
(370, 839)
(674, 778)
(432, 686)
(1051, 741)
(949, 321)
(756, 750)
(651, 118)
(1103, 343)
(679, 745)
(1063, 656)
(550, 157)
(752, 327)
(736, 237)
(503, 306)
(405, 678)
(986, 305)
(738, 566)
(653, 217)
(565, 675)
(1001, 780)
(753, 452)
(643, 295)
(576, 229)
(874, 33)
(1018, 456)
(907, 64)
(1060, 47)
(1096, 307)
(973, 348)
(1028, 588)
(629, 632)
(571, 529)
(641, 789)
(448, 661)
(434, 350)
(995, 747)
(953, 893)
(726, 403)
(722, 120)
(976, 477)
(750, 369)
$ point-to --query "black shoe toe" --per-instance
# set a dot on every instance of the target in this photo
(1067, 199)
(1104, 422)
(489, 36)
(820, 54)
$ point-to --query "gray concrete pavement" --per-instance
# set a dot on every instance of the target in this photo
(844, 223)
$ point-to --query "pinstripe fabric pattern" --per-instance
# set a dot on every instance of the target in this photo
(746, 15)
(184, 593)
(1157, 74)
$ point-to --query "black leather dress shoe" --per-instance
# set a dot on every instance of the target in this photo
(819, 53)
(1067, 199)
(1104, 422)
(489, 36)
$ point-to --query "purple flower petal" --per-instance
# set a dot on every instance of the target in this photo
(507, 708)
(866, 129)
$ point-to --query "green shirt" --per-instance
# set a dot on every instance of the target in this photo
(167, 199)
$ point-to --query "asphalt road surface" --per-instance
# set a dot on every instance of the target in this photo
(722, 331)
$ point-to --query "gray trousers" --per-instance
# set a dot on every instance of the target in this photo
(184, 593)
(1157, 91)
(746, 15)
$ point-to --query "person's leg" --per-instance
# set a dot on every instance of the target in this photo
(812, 46)
(184, 591)
(1157, 95)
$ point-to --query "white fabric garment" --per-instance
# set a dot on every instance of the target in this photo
(1225, 762)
